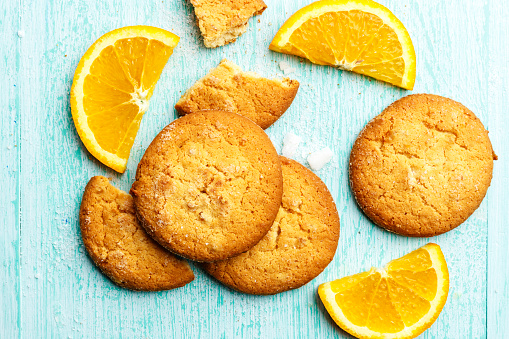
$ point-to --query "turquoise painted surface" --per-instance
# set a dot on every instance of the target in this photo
(50, 288)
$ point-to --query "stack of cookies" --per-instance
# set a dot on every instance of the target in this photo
(211, 188)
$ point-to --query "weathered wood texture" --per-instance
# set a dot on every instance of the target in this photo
(51, 289)
(10, 320)
(498, 199)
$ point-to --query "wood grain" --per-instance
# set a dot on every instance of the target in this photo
(498, 201)
(50, 288)
(10, 309)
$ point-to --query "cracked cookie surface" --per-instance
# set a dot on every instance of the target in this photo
(209, 186)
(120, 247)
(228, 88)
(300, 244)
(422, 166)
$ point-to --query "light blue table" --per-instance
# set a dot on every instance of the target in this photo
(50, 288)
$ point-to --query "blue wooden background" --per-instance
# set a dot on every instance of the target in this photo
(50, 288)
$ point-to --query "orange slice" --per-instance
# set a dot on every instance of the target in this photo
(355, 35)
(112, 86)
(401, 300)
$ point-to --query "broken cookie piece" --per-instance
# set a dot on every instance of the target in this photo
(119, 245)
(222, 21)
(228, 88)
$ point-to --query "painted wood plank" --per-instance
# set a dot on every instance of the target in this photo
(64, 295)
(10, 309)
(498, 200)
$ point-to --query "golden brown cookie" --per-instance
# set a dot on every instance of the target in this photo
(298, 247)
(120, 247)
(227, 88)
(209, 186)
(422, 166)
(222, 21)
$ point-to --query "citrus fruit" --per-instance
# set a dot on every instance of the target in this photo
(401, 300)
(355, 35)
(112, 86)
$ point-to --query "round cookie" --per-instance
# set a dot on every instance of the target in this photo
(298, 247)
(209, 186)
(422, 166)
(120, 247)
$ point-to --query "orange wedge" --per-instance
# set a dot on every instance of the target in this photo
(401, 300)
(112, 87)
(355, 35)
